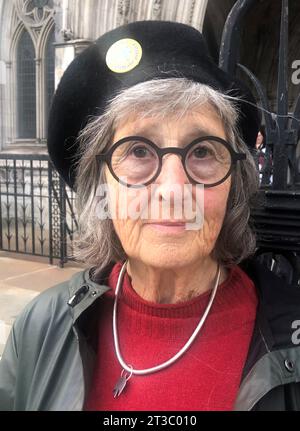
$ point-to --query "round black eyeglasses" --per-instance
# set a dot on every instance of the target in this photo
(136, 161)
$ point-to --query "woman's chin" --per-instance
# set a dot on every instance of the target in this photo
(167, 257)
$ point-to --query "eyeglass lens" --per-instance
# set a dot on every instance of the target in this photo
(206, 162)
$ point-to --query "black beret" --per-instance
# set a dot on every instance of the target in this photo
(130, 54)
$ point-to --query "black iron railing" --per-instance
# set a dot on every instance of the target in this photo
(36, 208)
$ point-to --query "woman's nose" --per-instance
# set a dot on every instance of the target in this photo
(169, 186)
(172, 171)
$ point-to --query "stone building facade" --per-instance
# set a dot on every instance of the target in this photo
(38, 39)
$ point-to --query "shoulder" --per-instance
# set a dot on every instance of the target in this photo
(45, 309)
(271, 285)
(279, 304)
(273, 289)
(41, 335)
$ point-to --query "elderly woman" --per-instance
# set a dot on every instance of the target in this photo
(171, 313)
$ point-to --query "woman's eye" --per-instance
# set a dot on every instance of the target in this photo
(140, 151)
(202, 152)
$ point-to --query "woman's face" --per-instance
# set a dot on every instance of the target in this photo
(160, 245)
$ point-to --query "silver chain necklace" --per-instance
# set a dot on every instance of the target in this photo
(128, 370)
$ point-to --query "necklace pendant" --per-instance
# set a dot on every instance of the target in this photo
(121, 383)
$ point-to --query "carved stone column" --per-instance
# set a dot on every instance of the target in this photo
(123, 12)
(40, 96)
(58, 19)
(197, 13)
(9, 97)
(2, 102)
(189, 12)
(156, 9)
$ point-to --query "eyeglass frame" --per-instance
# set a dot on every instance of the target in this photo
(182, 152)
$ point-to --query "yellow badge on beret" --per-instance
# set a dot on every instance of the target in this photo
(124, 55)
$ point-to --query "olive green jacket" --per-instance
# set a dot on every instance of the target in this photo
(49, 357)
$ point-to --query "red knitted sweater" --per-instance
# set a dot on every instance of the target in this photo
(206, 377)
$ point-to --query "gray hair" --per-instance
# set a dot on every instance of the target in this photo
(98, 243)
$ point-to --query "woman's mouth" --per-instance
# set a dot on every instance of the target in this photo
(167, 226)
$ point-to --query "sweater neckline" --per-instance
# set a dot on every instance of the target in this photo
(189, 308)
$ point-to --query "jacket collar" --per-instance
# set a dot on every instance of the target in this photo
(84, 291)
